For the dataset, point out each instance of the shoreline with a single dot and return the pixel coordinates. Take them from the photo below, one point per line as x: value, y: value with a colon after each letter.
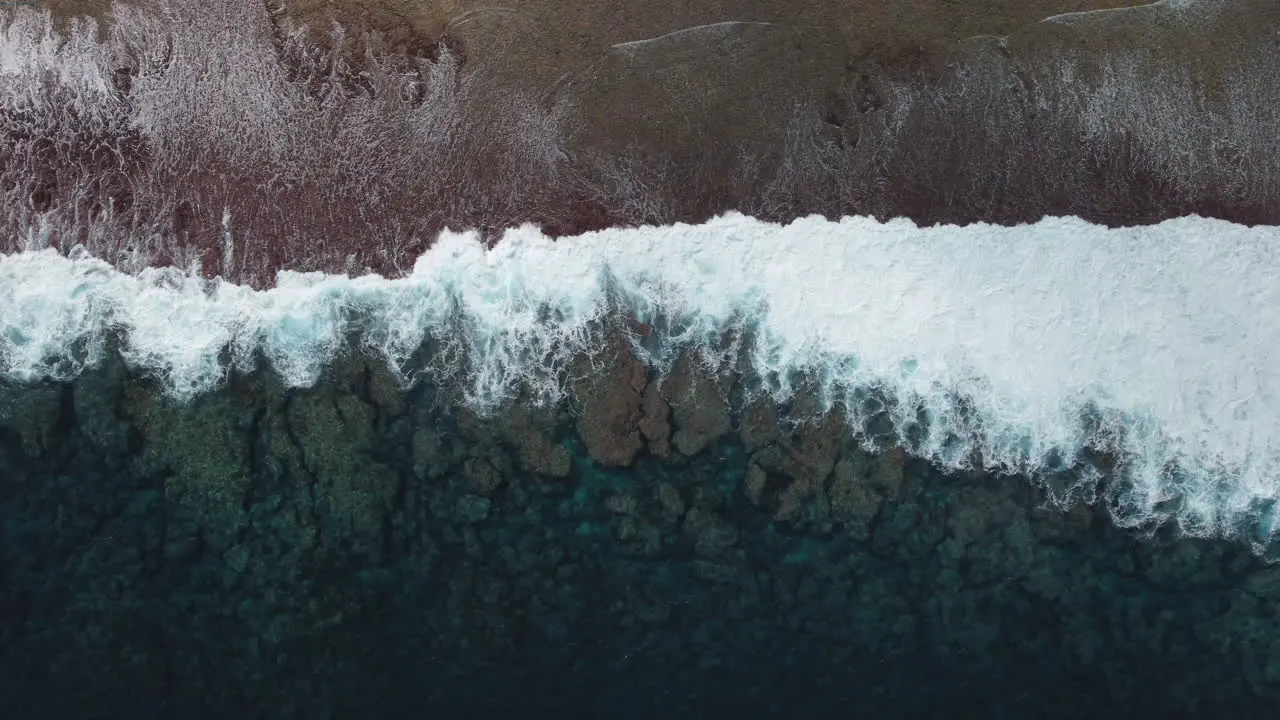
x: 939, y: 133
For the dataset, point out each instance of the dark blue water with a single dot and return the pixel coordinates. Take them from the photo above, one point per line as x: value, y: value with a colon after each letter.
x: 349, y: 549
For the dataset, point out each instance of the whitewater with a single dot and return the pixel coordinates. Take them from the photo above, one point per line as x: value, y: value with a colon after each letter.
x: 1027, y: 345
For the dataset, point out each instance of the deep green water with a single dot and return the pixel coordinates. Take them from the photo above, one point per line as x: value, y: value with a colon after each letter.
x: 350, y: 550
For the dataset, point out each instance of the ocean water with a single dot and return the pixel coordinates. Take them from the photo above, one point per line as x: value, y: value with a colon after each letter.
x: 808, y: 467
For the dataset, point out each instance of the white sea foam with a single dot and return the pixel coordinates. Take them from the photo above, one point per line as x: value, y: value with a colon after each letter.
x: 1169, y: 334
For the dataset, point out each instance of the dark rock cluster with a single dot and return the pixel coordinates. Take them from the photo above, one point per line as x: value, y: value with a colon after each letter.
x: 654, y: 548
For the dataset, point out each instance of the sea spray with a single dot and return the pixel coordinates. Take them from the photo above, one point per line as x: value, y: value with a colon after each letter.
x: 1024, y: 347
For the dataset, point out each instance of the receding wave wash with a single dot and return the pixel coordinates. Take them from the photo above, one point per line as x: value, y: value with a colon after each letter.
x: 219, y: 134
x: 1031, y: 349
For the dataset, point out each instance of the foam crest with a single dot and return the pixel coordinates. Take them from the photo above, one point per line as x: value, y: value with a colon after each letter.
x: 1025, y: 344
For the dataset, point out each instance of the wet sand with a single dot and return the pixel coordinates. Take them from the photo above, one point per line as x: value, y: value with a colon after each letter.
x: 584, y: 115
x: 579, y: 117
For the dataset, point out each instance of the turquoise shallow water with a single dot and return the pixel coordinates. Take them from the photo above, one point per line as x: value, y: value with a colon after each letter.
x: 353, y: 549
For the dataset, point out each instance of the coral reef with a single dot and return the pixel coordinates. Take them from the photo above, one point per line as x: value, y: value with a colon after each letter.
x: 356, y: 547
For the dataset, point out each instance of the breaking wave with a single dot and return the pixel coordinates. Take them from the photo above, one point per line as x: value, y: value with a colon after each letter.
x: 1022, y: 349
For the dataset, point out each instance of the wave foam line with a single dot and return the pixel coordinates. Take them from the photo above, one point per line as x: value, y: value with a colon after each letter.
x: 1026, y: 344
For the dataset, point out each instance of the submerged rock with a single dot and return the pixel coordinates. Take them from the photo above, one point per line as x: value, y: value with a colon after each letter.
x: 423, y: 549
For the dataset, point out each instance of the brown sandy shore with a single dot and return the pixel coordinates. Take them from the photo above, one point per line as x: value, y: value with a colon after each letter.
x: 342, y: 136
